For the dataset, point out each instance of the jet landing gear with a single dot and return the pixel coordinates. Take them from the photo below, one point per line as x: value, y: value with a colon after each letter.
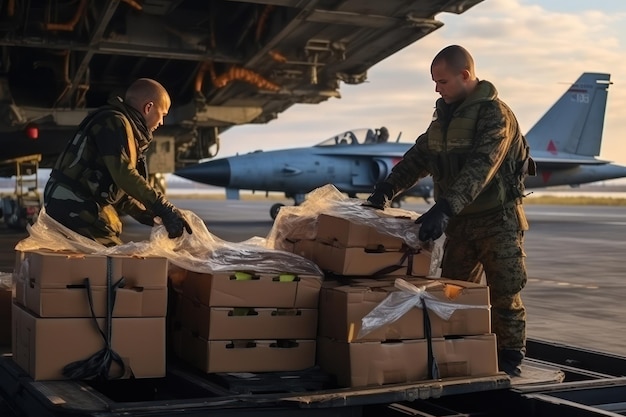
x: 275, y: 209
x: 297, y: 200
x: 22, y: 208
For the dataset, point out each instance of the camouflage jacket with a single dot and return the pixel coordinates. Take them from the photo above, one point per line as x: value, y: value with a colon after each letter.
x: 475, y: 152
x: 105, y: 162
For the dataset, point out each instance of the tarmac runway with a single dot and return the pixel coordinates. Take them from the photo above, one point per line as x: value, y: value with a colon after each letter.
x: 576, y: 264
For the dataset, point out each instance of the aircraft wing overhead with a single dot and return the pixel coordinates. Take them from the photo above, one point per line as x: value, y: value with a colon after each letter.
x: 225, y: 62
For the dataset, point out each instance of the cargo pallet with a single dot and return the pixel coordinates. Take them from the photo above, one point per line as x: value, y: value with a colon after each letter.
x: 558, y: 380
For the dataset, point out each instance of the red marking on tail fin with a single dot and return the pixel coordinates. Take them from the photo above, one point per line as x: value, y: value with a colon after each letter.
x: 552, y: 148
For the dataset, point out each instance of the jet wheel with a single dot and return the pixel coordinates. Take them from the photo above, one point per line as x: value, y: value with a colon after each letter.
x: 275, y: 209
x: 395, y: 204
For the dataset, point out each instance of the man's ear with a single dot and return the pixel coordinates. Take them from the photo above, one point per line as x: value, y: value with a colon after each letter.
x: 465, y: 74
x: 147, y: 107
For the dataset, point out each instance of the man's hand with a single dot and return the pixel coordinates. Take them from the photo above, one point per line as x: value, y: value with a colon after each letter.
x: 434, y: 222
x: 381, y: 197
x: 144, y: 217
x: 171, y: 217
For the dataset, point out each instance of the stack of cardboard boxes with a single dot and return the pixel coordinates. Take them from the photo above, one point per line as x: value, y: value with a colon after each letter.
x: 243, y: 321
x: 251, y: 321
x: 62, y: 308
x: 353, y: 253
x: 397, y: 352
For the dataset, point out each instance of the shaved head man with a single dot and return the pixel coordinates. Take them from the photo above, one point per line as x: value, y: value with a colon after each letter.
x: 151, y: 99
x: 478, y: 158
x: 103, y: 170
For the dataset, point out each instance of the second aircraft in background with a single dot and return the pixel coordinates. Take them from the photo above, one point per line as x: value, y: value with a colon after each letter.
x: 564, y: 144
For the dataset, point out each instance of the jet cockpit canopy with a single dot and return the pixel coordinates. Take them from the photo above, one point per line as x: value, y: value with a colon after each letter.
x: 362, y: 136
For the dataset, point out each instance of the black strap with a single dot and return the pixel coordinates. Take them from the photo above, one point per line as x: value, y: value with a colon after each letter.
x: 98, y: 365
x: 83, y: 128
x: 433, y: 368
x: 407, y: 254
x: 76, y: 186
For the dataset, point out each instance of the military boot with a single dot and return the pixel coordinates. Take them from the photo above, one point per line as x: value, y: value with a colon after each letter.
x: 510, y: 361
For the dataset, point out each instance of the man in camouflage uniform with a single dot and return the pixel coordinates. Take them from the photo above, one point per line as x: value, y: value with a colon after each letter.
x: 102, y: 171
x: 478, y: 159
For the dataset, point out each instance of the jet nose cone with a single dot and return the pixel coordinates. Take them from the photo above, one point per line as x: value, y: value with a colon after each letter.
x: 212, y: 172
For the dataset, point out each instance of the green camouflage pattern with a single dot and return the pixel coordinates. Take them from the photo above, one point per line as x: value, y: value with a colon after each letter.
x: 476, y: 154
x: 102, y: 172
x: 502, y: 259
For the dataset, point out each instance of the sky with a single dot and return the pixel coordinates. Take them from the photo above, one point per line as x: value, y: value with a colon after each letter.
x: 530, y: 49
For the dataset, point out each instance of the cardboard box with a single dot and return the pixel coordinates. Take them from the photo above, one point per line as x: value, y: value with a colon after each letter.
x: 304, y: 248
x: 347, y: 233
x: 73, y: 302
x: 50, y: 269
x: 293, y: 226
x: 224, y: 289
x: 246, y: 355
x: 44, y: 346
x: 375, y: 363
x: 364, y: 262
x: 227, y: 323
x: 62, y: 292
x: 141, y: 272
x: 342, y: 308
x: 62, y: 269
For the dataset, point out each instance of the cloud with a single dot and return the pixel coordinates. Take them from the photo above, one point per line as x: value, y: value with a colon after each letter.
x: 530, y: 49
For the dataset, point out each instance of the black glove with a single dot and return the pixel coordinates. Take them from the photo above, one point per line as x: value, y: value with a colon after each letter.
x: 381, y: 197
x: 144, y: 217
x: 171, y: 217
x: 434, y: 221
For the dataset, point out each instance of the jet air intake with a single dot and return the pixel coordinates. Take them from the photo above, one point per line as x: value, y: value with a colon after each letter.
x: 380, y: 169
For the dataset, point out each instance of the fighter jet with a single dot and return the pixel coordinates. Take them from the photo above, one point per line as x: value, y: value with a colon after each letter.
x: 564, y: 144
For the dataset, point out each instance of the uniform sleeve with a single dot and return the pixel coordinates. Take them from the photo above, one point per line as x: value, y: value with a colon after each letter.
x: 136, y: 210
x: 114, y: 141
x: 411, y: 168
x: 493, y: 138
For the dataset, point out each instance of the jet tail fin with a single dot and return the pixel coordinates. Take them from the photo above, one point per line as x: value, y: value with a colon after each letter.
x: 575, y: 122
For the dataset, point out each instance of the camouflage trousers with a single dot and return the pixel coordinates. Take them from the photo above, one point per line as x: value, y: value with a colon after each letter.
x: 502, y: 258
x: 86, y: 218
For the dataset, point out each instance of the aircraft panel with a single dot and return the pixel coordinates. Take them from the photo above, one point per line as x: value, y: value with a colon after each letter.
x: 251, y: 60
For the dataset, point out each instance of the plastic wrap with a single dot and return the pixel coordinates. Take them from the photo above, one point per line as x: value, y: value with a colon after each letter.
x: 6, y: 281
x: 204, y: 252
x: 200, y: 252
x: 398, y: 303
x: 300, y: 222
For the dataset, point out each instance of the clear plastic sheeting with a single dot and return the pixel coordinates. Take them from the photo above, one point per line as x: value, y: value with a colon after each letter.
x: 6, y: 281
x: 398, y: 303
x: 294, y: 223
x: 300, y: 222
x: 200, y: 252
